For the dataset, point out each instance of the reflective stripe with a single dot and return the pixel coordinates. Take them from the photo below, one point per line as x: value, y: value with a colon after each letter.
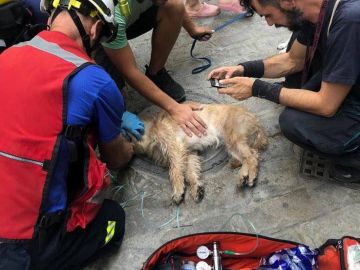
x: 3, y: 154
x: 356, y: 136
x: 110, y: 231
x: 54, y: 49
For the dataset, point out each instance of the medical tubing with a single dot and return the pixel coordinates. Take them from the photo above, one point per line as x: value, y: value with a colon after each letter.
x: 233, y: 253
x: 149, y: 224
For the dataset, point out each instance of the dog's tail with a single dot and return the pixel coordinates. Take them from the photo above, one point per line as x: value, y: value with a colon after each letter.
x: 258, y: 139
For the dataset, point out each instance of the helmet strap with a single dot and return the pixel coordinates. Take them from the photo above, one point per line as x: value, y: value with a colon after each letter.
x: 84, y: 36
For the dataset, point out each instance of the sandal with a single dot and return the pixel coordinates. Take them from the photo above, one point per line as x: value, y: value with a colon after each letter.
x: 205, y: 10
x: 233, y: 6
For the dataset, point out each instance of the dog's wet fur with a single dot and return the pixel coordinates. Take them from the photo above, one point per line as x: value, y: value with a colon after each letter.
x: 166, y: 144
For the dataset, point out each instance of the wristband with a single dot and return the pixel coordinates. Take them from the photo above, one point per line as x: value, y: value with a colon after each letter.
x: 269, y: 91
x: 254, y: 69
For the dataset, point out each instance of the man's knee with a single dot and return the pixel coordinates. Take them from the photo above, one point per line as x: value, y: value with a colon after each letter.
x: 288, y: 120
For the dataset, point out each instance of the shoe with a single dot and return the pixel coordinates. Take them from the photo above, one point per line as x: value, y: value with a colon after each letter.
x: 344, y: 174
x: 167, y: 84
x: 205, y: 10
x: 233, y: 6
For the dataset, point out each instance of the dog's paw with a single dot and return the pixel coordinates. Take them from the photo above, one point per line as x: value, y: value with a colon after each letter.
x: 246, y: 181
x: 242, y: 183
x: 178, y: 198
x: 251, y: 182
x: 252, y: 178
x: 198, y: 192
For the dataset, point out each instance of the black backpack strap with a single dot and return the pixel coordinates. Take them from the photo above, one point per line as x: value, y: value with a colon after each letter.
x: 73, y: 134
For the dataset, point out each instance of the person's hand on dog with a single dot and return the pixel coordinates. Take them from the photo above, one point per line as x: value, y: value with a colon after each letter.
x: 226, y: 72
x: 189, y: 121
x: 132, y: 124
x: 238, y: 87
x: 201, y: 33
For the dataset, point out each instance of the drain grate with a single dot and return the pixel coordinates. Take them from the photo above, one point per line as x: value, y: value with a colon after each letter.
x: 313, y: 165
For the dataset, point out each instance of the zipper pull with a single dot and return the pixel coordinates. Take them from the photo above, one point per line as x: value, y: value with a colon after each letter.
x: 340, y: 248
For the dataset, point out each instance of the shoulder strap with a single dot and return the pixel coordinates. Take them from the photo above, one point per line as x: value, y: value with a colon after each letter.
x: 74, y: 132
x: 332, y: 15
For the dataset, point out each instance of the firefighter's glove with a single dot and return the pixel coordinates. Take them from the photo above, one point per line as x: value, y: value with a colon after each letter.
x: 131, y: 124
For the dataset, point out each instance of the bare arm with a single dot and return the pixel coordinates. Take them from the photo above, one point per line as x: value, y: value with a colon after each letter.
x: 286, y: 63
x: 188, y: 24
x: 124, y: 61
x: 183, y: 114
x: 117, y: 153
x: 326, y: 102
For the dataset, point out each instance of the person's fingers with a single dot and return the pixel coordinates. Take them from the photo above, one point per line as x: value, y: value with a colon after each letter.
x: 194, y: 129
x: 229, y: 80
x: 205, y: 37
x: 217, y: 73
x: 226, y: 90
x: 126, y: 135
x: 200, y: 122
x: 212, y: 74
x: 186, y: 130
x: 141, y: 130
x: 228, y: 75
x: 137, y: 135
x: 141, y: 125
x: 208, y: 35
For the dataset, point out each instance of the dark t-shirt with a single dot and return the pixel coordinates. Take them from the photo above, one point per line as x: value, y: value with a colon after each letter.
x: 339, y: 53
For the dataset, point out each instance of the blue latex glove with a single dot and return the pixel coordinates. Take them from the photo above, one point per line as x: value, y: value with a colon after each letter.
x: 132, y: 124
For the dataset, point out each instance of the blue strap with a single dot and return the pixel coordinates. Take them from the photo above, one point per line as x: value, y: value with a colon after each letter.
x: 199, y: 69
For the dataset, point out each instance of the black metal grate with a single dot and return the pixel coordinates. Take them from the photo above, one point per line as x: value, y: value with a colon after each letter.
x: 313, y: 165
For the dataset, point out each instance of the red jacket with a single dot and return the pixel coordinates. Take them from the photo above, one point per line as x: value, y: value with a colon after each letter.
x: 33, y: 81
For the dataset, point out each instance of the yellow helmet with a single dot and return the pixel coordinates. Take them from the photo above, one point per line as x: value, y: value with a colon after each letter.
x: 104, y: 9
x: 4, y: 1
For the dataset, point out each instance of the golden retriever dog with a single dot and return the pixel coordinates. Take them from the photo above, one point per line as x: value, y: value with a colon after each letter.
x: 167, y: 145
